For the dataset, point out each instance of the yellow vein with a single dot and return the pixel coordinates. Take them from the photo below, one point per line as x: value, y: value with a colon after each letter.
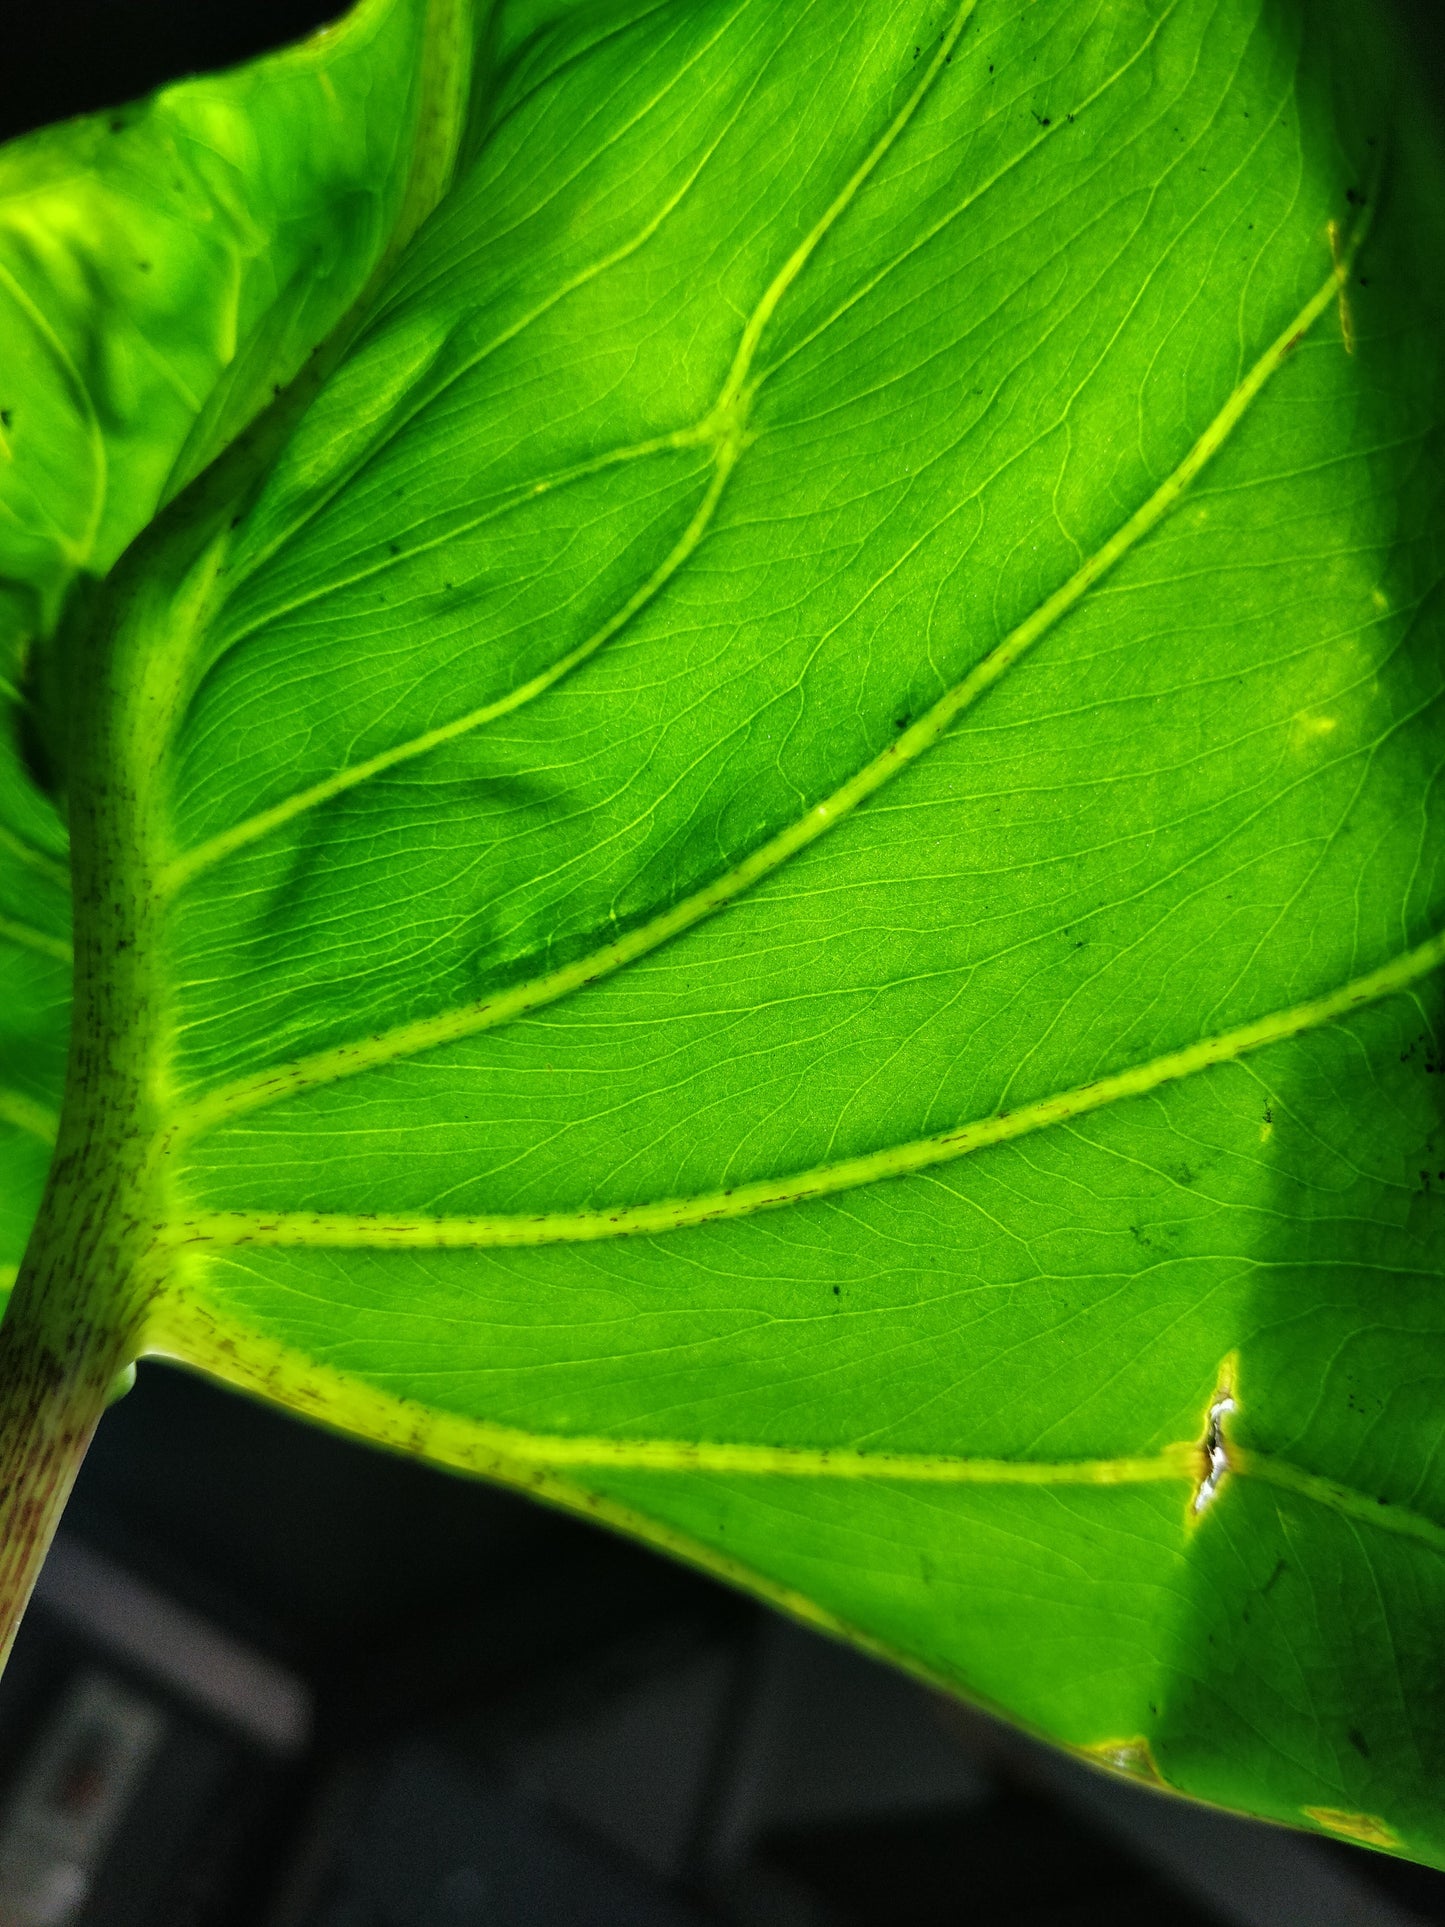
x: 185, y: 1327
x: 733, y: 388
x: 181, y: 869
x: 722, y: 425
x: 505, y: 1006
x: 13, y: 931
x: 257, y: 557
x: 13, y: 844
x: 1175, y: 1462
x: 478, y: 515
x: 407, y: 1232
x: 77, y: 551
x: 24, y: 1114
x: 592, y: 272
x: 1354, y: 1504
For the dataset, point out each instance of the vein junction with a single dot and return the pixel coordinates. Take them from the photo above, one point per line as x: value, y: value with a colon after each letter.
x: 722, y: 429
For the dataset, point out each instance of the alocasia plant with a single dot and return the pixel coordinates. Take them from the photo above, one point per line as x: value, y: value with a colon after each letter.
x: 754, y: 808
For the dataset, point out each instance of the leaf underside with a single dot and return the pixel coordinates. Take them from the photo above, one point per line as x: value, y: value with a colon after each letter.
x: 163, y: 268
x: 797, y: 861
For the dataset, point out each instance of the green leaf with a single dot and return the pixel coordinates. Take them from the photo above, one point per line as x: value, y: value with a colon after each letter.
x: 164, y: 268
x: 781, y: 877
x: 34, y: 997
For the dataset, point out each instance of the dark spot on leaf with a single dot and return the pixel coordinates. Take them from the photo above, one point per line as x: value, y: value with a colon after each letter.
x: 837, y: 1291
x: 1280, y: 1569
x: 900, y: 722
x: 1357, y: 1740
x: 394, y: 548
x: 1354, y: 197
x: 5, y: 417
x: 117, y: 127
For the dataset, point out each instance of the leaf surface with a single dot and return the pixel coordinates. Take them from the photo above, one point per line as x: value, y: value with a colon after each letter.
x: 164, y: 268
x: 34, y: 997
x: 784, y: 881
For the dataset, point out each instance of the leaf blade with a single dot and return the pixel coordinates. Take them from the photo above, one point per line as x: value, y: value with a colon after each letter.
x: 1220, y: 789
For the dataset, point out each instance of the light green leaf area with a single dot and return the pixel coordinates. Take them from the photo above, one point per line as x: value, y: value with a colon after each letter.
x: 792, y: 872
x: 163, y: 266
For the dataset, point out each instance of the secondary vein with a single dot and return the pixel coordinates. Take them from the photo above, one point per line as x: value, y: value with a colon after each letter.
x: 12, y: 843
x: 24, y: 1114
x: 29, y: 938
x: 1286, y: 1476
x: 185, y: 1327
x: 722, y: 426
x: 506, y: 1006
x: 1176, y: 1462
x: 414, y: 1232
x: 180, y: 871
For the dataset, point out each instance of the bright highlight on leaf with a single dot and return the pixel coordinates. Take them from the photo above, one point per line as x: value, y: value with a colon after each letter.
x: 762, y: 853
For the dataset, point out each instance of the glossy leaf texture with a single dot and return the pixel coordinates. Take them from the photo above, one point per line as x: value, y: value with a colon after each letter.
x: 164, y: 267
x: 791, y: 863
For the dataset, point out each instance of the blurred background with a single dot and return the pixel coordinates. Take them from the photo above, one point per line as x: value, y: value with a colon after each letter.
x: 278, y: 1679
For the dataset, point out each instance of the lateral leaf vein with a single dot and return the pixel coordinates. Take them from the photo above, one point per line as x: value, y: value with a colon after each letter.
x: 506, y: 1006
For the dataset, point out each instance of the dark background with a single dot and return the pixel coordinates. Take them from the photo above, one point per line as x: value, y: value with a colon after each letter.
x: 507, y: 1718
x: 60, y: 57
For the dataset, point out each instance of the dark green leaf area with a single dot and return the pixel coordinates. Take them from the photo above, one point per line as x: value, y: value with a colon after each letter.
x: 34, y: 997
x: 856, y: 584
